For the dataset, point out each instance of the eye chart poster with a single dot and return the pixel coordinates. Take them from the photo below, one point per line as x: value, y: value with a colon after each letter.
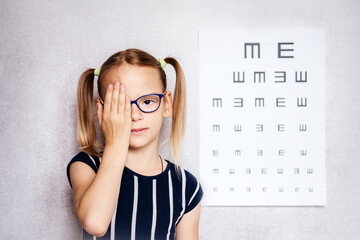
x: 262, y: 117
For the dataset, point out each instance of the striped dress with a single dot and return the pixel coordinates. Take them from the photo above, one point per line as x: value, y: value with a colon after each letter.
x: 149, y: 207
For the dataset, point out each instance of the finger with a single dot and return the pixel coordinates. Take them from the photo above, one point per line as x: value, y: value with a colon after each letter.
x: 127, y: 107
x: 107, y: 104
x: 115, y: 97
x: 99, y: 111
x: 121, y: 99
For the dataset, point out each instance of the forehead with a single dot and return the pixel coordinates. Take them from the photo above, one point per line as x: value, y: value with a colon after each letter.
x: 138, y: 80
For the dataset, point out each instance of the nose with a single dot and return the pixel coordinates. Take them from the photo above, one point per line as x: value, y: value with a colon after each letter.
x: 136, y: 113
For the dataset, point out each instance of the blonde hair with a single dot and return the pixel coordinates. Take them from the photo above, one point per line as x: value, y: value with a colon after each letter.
x: 86, y: 134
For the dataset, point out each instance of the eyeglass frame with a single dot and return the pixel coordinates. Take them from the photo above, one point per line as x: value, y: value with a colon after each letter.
x: 160, y: 95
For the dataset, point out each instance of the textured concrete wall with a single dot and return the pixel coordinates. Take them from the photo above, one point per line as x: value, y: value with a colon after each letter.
x: 45, y: 45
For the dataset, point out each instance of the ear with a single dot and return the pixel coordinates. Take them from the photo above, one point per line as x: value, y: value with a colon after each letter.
x: 168, y: 105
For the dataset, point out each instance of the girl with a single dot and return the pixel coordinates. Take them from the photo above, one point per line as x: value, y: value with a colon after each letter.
x: 128, y: 191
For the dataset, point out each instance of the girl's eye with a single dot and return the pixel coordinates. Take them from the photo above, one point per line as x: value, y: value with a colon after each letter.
x: 148, y: 102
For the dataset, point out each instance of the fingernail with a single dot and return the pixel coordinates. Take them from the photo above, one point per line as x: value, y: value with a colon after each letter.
x: 122, y: 86
x: 117, y: 83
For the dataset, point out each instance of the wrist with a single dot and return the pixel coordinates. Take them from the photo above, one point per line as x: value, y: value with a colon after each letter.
x: 116, y: 147
x: 117, y: 144
x: 116, y: 152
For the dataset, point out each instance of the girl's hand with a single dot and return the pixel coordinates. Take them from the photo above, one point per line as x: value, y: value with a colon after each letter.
x: 115, y: 117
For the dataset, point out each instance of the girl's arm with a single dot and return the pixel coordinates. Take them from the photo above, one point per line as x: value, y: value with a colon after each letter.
x: 188, y: 227
x: 96, y: 195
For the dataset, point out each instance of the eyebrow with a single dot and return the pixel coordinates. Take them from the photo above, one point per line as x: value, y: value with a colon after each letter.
x: 147, y: 94
x: 140, y: 95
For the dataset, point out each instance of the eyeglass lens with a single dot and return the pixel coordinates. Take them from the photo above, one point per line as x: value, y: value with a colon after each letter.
x: 148, y: 103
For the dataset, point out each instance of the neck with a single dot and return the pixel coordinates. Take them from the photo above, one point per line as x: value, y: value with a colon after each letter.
x: 144, y: 160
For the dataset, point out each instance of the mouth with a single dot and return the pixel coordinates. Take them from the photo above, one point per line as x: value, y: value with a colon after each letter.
x: 137, y: 131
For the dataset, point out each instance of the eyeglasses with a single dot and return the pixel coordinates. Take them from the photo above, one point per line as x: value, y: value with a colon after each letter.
x: 147, y: 103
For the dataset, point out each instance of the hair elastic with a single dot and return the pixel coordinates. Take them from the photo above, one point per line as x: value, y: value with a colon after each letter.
x: 162, y: 62
x: 97, y: 71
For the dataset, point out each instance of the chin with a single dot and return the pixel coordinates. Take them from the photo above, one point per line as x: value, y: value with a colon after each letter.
x: 137, y: 143
x: 135, y: 146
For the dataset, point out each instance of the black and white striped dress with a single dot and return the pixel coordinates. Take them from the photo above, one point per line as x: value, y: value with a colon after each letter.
x: 149, y: 207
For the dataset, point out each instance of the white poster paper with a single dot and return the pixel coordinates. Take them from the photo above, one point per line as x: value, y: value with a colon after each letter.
x: 262, y: 117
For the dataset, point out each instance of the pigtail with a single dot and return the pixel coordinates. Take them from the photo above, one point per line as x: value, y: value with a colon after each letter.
x: 86, y: 134
x: 179, y: 111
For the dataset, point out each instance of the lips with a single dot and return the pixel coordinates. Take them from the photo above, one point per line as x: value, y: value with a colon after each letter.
x: 137, y: 131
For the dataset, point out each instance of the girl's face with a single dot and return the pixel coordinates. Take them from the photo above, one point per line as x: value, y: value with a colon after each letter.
x: 140, y: 81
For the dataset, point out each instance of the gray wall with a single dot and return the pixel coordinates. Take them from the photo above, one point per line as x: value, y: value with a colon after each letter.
x: 45, y: 45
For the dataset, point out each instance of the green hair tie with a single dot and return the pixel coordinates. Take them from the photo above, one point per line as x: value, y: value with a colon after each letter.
x: 162, y: 62
x: 97, y: 71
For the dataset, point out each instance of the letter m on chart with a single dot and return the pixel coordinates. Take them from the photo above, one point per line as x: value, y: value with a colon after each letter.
x: 252, y: 47
x: 217, y: 102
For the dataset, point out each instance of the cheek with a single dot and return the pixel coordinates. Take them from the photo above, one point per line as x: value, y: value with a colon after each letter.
x: 156, y: 119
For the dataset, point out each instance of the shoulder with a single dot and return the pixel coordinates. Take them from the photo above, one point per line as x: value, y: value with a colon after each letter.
x: 91, y: 160
x: 194, y: 190
x: 191, y: 187
x: 190, y: 179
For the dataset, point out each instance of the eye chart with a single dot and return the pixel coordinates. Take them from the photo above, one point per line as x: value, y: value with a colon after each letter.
x: 262, y: 117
